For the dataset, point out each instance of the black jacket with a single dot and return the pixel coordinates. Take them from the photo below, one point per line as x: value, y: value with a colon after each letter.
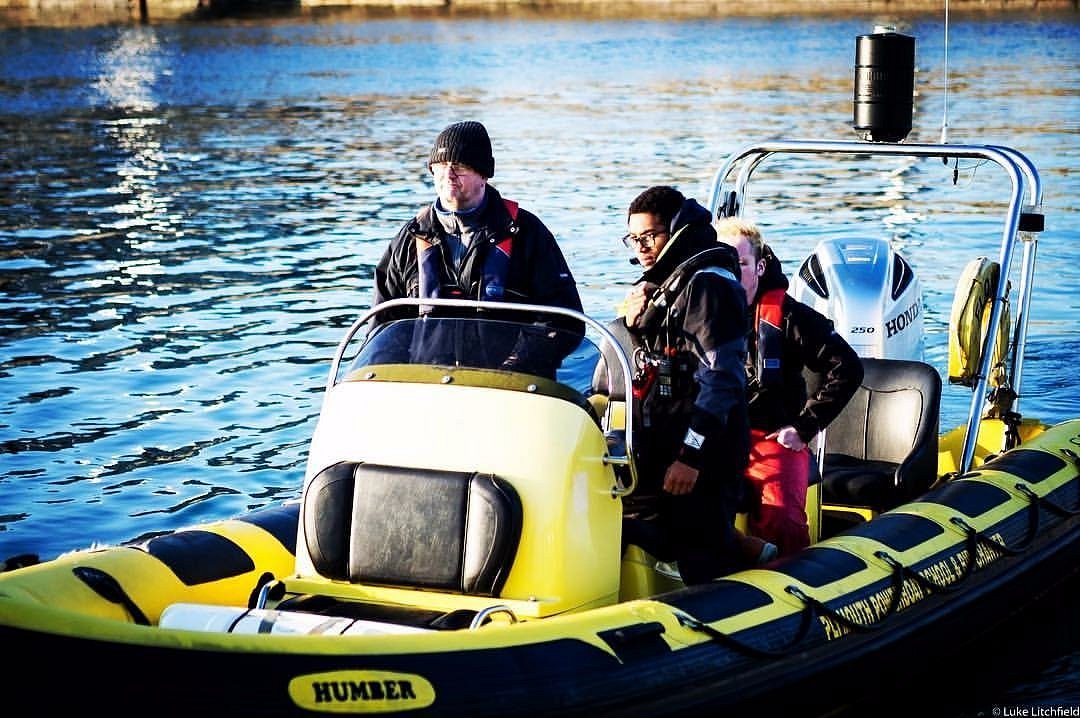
x: 538, y: 273
x: 810, y: 345
x: 706, y: 323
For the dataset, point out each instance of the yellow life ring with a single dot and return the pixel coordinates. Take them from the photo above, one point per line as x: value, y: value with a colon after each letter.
x: 968, y: 322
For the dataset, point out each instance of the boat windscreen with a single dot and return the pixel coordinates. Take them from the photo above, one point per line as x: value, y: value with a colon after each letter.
x: 469, y: 342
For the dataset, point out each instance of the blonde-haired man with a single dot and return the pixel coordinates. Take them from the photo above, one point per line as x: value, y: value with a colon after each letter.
x: 786, y: 337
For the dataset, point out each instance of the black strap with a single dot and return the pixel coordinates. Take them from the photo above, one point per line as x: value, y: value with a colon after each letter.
x: 661, y: 300
x: 110, y: 589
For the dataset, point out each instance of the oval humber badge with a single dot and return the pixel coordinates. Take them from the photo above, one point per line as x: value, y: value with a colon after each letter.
x: 361, y: 691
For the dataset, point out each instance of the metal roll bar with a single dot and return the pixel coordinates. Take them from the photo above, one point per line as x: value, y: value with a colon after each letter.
x: 1025, y: 182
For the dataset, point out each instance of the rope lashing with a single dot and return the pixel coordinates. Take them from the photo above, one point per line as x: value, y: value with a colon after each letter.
x: 730, y: 641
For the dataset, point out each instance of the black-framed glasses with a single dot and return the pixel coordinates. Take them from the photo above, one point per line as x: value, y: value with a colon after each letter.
x: 455, y: 168
x: 645, y: 240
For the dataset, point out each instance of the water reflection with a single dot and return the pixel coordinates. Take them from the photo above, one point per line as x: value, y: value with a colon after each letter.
x: 126, y: 77
x: 127, y: 71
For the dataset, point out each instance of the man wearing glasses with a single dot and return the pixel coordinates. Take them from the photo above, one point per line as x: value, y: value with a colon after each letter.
x: 687, y: 315
x: 471, y: 243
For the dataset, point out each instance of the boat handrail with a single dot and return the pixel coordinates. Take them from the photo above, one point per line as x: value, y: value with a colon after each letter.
x: 1024, y: 179
x: 617, y: 351
x: 1027, y: 271
x: 484, y: 614
x: 1000, y: 154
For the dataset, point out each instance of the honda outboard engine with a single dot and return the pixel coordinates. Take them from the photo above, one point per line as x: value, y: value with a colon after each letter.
x: 870, y: 293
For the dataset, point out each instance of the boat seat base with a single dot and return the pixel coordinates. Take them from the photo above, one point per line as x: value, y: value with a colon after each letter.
x: 235, y: 619
x: 383, y: 613
x: 368, y: 599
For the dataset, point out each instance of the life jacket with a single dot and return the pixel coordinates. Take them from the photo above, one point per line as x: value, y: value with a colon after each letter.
x: 497, y: 261
x: 769, y: 350
x: 493, y: 275
x: 663, y: 371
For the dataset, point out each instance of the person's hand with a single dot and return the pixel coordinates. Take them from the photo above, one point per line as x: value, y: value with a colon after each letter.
x: 680, y: 479
x: 788, y: 438
x: 636, y: 300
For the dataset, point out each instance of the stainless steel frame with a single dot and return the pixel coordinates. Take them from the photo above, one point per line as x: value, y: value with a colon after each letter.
x: 1025, y: 184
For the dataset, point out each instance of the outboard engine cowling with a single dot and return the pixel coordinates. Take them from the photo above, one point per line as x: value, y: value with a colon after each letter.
x: 871, y: 294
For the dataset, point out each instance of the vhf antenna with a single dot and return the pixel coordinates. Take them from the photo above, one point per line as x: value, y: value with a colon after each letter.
x: 945, y: 115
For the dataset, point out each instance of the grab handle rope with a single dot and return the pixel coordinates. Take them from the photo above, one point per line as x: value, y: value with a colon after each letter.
x: 811, y: 607
x: 975, y: 537
x: 909, y: 573
x: 894, y: 604
x: 900, y: 574
x: 1035, y: 502
x: 730, y: 641
x: 1045, y: 502
x: 104, y: 585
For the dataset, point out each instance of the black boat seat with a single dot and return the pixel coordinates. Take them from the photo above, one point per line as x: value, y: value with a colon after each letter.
x: 422, y: 528
x: 882, y: 449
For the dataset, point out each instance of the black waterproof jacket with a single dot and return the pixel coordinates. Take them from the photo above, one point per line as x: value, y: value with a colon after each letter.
x: 810, y: 343
x: 538, y: 273
x: 703, y: 423
x: 706, y: 321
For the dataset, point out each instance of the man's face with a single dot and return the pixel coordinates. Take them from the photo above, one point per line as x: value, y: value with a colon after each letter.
x: 459, y: 187
x: 646, y: 236
x: 751, y: 268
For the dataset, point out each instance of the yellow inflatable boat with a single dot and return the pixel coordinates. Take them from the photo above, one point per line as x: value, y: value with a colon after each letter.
x: 457, y: 551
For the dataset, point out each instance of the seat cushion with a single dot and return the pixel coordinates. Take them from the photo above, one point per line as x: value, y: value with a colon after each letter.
x: 858, y: 482
x: 425, y: 528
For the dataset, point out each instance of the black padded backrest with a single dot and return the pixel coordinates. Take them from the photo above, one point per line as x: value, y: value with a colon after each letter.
x: 890, y: 426
x: 894, y: 409
x: 424, y: 528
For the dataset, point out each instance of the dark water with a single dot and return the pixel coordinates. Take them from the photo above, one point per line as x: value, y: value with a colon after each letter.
x: 190, y: 216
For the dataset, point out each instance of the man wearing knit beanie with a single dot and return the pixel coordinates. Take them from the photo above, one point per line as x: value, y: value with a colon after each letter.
x: 465, y: 143
x: 471, y: 243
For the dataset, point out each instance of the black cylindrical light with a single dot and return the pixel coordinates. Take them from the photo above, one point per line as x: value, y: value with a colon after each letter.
x: 884, y: 85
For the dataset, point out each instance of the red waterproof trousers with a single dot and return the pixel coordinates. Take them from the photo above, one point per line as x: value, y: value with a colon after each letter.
x: 780, y: 476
